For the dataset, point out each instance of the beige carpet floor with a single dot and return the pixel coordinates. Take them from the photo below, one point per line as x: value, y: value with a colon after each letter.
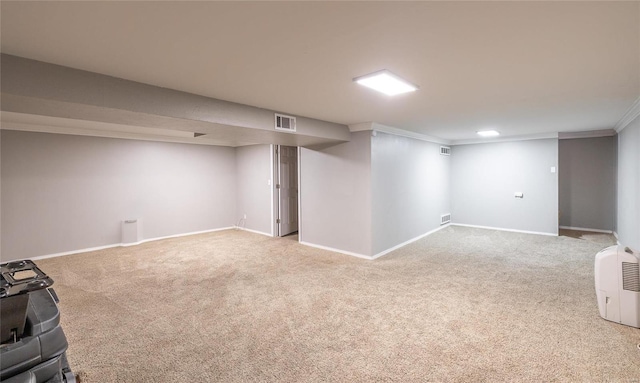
x: 461, y: 305
x: 603, y: 238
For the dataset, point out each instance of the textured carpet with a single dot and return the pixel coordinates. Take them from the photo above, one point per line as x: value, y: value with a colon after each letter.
x: 602, y: 238
x: 462, y: 304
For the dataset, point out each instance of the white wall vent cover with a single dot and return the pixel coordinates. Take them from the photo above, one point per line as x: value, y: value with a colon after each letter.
x: 445, y: 150
x: 445, y: 218
x: 287, y: 123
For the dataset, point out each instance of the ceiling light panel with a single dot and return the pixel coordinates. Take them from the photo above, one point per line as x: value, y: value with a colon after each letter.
x: 488, y: 133
x: 386, y: 82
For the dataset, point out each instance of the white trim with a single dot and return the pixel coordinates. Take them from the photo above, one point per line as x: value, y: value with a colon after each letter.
x: 374, y: 126
x: 586, y: 229
x: 504, y: 229
x: 405, y: 243
x: 299, y: 196
x: 378, y: 255
x: 253, y: 231
x: 273, y: 218
x: 405, y: 133
x: 177, y: 235
x: 617, y: 239
x: 631, y: 114
x: 278, y: 191
x: 360, y: 127
x: 526, y: 137
x: 587, y: 134
x: 89, y: 249
x: 336, y: 250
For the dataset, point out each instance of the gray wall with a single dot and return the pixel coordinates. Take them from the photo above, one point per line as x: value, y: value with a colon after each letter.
x: 587, y: 179
x: 628, y: 227
x: 253, y: 191
x: 410, y: 189
x: 63, y: 193
x: 335, y: 195
x: 486, y: 176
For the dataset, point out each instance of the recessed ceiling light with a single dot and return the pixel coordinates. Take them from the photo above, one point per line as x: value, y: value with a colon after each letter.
x: 386, y: 82
x: 488, y: 133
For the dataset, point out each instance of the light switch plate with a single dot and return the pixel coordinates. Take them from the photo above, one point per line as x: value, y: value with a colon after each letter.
x: 553, y: 169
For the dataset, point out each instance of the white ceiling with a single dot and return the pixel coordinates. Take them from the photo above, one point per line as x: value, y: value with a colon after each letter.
x: 521, y: 68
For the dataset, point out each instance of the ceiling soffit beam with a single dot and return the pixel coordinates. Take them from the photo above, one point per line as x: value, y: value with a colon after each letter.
x: 36, y: 87
x: 52, y: 117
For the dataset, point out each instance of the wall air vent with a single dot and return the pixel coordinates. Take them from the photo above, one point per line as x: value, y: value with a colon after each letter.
x: 445, y: 150
x: 445, y: 218
x: 286, y: 123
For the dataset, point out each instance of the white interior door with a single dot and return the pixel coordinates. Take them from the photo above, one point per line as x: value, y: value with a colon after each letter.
x: 287, y: 190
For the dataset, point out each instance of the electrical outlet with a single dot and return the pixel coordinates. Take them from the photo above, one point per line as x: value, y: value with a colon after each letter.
x: 244, y: 216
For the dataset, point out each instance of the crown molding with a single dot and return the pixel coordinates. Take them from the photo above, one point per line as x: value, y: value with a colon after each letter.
x: 587, y: 134
x: 493, y: 140
x: 631, y: 114
x: 374, y: 126
x: 360, y: 127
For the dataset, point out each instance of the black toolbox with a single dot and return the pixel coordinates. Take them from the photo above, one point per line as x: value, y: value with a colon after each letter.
x: 33, y: 344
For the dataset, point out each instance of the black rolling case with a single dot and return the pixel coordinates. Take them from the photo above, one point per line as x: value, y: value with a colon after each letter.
x: 33, y: 346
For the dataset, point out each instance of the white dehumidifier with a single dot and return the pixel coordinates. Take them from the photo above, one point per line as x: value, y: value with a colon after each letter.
x: 617, y: 272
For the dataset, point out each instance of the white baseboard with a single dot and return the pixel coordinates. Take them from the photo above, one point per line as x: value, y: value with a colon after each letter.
x: 89, y: 249
x: 336, y: 250
x: 396, y: 247
x: 254, y: 231
x: 378, y: 255
x: 586, y: 229
x: 617, y: 239
x: 504, y: 229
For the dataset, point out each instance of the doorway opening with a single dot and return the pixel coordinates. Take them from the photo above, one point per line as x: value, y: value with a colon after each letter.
x: 286, y: 195
x: 587, y: 187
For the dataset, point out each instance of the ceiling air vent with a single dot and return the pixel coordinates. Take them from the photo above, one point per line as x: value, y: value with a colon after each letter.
x: 287, y: 123
x: 445, y: 218
x: 445, y: 150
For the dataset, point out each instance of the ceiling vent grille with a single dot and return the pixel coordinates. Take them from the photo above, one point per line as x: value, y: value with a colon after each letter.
x: 445, y: 150
x: 286, y: 123
x: 445, y: 218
